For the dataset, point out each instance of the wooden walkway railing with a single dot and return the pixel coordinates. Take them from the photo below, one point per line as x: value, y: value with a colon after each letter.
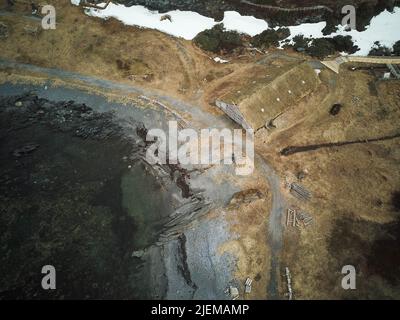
x: 334, y: 65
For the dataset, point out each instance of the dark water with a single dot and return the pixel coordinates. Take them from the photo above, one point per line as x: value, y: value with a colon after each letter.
x: 76, y: 203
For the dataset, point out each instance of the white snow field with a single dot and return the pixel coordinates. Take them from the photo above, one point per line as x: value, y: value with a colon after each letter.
x: 187, y: 24
x: 384, y: 28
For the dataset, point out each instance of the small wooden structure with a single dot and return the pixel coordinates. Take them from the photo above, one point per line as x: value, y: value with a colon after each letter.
x: 300, y: 192
x: 335, y: 64
x: 298, y: 219
x: 248, y: 285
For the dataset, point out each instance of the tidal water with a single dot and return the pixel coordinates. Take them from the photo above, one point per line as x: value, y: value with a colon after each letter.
x: 77, y: 203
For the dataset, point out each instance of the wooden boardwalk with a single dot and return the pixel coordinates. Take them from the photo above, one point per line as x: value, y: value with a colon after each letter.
x: 335, y: 64
x: 394, y: 70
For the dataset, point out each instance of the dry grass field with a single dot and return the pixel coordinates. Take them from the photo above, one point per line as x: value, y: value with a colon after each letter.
x: 356, y: 220
x: 106, y: 48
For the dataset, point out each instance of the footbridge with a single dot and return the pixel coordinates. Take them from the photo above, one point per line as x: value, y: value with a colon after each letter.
x: 335, y: 64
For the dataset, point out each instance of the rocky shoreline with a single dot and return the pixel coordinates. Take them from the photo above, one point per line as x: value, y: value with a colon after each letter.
x: 150, y: 267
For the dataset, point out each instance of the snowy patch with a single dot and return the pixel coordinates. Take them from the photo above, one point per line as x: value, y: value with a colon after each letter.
x: 244, y: 24
x: 383, y: 28
x: 184, y: 24
x: 187, y: 24
x: 308, y: 30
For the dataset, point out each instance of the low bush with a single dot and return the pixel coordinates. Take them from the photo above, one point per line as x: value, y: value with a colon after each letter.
x: 344, y: 44
x: 379, y: 50
x: 321, y: 47
x: 396, y: 48
x: 218, y: 39
x: 300, y: 42
x: 270, y: 37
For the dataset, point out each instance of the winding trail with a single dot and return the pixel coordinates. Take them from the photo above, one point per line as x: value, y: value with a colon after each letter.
x: 275, y: 227
x: 266, y: 6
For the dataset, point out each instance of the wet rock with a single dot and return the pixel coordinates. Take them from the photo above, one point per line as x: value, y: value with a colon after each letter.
x: 61, y: 190
x: 166, y: 17
x: 81, y: 108
x: 46, y: 105
x: 233, y: 292
x: 138, y: 253
x: 25, y: 150
x: 335, y: 109
x: 141, y: 131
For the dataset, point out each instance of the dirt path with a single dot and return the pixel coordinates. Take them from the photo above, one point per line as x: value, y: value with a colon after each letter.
x: 275, y: 226
x: 199, y: 117
x: 5, y: 13
x: 312, y: 8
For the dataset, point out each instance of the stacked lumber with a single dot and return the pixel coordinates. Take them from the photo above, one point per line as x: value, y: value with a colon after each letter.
x: 300, y: 191
x: 298, y: 219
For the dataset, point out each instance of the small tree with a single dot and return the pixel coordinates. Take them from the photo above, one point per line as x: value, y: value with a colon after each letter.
x: 331, y: 26
x: 230, y: 40
x: 396, y: 48
x: 300, y: 41
x: 321, y: 48
x: 270, y: 37
x: 379, y: 50
x: 344, y: 44
x: 217, y: 39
